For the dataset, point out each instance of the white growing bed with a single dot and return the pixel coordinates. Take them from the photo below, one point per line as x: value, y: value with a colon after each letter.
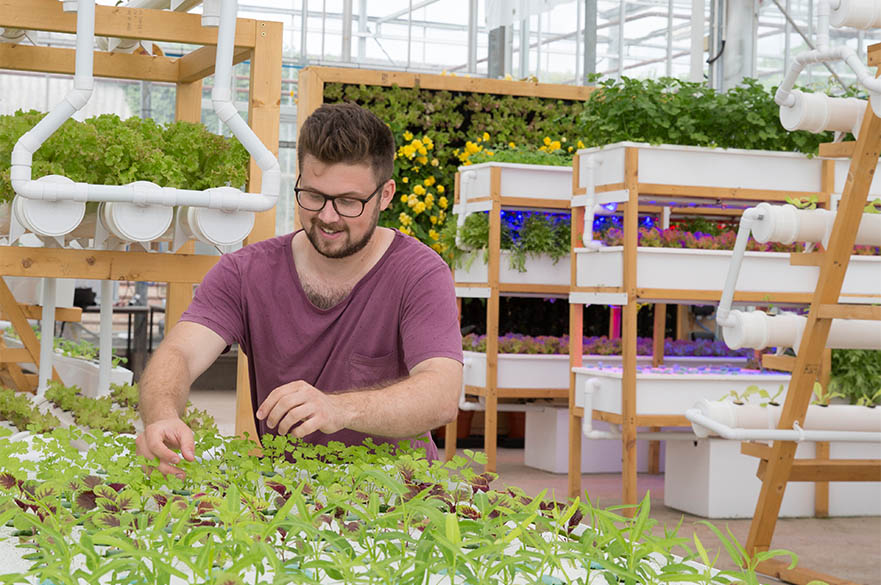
x: 706, y: 270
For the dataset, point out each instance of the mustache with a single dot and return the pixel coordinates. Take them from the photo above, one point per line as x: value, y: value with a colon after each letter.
x: 317, y: 223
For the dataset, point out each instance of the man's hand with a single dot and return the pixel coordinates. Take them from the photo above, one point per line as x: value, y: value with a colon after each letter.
x: 158, y: 440
x: 301, y: 402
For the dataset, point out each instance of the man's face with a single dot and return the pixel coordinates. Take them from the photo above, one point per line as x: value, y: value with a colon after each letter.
x: 333, y: 235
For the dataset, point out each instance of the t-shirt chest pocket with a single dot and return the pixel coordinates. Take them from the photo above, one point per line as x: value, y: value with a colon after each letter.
x: 367, y: 370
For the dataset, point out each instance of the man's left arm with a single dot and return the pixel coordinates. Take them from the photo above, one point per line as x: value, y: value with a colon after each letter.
x: 424, y: 400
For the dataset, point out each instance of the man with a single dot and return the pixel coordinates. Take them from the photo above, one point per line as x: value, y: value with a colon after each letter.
x: 351, y: 330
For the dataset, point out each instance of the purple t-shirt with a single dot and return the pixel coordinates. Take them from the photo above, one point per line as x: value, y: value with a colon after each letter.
x: 402, y: 312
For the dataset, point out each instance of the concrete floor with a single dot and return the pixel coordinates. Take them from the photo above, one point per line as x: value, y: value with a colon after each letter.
x: 847, y: 548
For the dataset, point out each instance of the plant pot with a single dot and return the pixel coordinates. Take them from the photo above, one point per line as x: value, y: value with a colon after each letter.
x: 516, y: 180
x: 706, y: 270
x: 540, y: 269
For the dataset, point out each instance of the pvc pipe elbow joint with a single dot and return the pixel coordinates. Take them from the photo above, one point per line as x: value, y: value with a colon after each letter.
x: 79, y: 96
x: 223, y: 107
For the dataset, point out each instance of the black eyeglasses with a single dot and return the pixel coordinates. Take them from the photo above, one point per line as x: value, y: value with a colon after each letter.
x: 345, y: 206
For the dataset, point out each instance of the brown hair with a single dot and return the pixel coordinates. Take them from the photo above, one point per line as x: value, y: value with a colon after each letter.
x: 346, y: 133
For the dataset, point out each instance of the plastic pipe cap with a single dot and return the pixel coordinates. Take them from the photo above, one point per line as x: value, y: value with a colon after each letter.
x: 49, y: 218
x: 136, y: 223
x: 219, y: 228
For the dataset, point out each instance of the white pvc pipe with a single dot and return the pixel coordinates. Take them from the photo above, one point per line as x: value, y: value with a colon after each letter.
x: 465, y: 179
x: 705, y: 424
x: 787, y: 224
x: 817, y: 418
x: 105, y: 339
x: 47, y: 336
x: 868, y: 234
x: 590, y: 165
x: 818, y: 112
x: 143, y: 193
x: 758, y: 330
x: 746, y: 222
x: 591, y: 385
x: 861, y: 14
x: 12, y: 36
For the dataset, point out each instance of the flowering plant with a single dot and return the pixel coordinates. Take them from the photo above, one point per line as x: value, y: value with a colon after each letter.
x: 547, y: 344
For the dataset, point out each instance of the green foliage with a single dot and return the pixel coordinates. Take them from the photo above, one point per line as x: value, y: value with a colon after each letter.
x: 673, y: 111
x: 539, y: 235
x: 106, y: 150
x: 17, y: 408
x: 95, y: 413
x: 856, y: 373
x: 300, y: 513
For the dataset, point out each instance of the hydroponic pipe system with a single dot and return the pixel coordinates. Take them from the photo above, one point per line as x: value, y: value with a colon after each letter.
x: 51, y: 197
x: 818, y: 112
x: 786, y: 224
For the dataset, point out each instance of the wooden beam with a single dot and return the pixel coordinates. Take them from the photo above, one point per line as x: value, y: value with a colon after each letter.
x: 798, y: 576
x: 15, y: 355
x: 630, y: 222
x: 103, y: 264
x: 726, y: 193
x: 784, y: 363
x: 832, y: 273
x: 122, y: 22
x: 829, y: 470
x: 115, y: 65
x: 643, y: 420
x: 199, y: 64
x: 837, y: 149
x: 21, y: 326
x: 66, y: 314
x: 821, y: 488
x: 837, y: 311
x: 806, y: 259
x: 548, y: 289
x: 451, y: 83
x: 874, y: 52
x: 534, y: 203
x: 760, y: 450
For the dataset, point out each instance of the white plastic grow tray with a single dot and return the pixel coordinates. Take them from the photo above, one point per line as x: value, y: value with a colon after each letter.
x: 690, y: 269
x: 713, y: 479
x: 517, y: 370
x: 80, y: 372
x: 517, y: 180
x: 668, y: 393
x: 693, y: 166
x: 540, y: 269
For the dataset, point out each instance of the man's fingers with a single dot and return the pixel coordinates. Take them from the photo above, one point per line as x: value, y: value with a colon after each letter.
x: 283, y: 406
x: 294, y: 416
x: 270, y: 402
x: 308, y: 427
x: 166, y: 469
x: 157, y: 445
x: 187, y: 443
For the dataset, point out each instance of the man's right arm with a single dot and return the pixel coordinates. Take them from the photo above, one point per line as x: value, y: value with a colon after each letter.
x: 187, y: 352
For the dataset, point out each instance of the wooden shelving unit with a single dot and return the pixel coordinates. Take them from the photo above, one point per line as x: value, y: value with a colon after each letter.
x: 637, y: 193
x: 256, y: 40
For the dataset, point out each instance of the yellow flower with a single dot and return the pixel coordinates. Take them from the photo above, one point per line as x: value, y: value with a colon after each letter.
x: 413, y: 198
x: 490, y: 153
x: 429, y: 181
x: 442, y: 202
x: 471, y: 147
x: 428, y: 142
x: 433, y: 235
x: 543, y: 148
x: 569, y: 149
x: 579, y: 144
x: 423, y: 160
x: 512, y: 145
x: 555, y: 145
x: 429, y: 198
x: 405, y: 219
x: 441, y: 189
x: 486, y: 136
x: 419, y: 189
x: 434, y: 162
x: 404, y: 198
x: 419, y: 208
x: 408, y: 135
x: 433, y: 219
x: 563, y: 139
x: 405, y: 180
x: 409, y: 151
x: 412, y: 203
x: 546, y: 141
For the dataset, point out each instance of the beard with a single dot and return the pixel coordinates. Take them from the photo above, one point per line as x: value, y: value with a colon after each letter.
x: 349, y: 246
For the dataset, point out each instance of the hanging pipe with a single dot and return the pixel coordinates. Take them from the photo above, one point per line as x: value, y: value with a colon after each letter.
x: 47, y: 336
x: 704, y: 418
x: 591, y: 385
x: 223, y: 198
x: 749, y: 217
x: 105, y: 339
x: 466, y: 178
x: 12, y: 36
x: 786, y: 97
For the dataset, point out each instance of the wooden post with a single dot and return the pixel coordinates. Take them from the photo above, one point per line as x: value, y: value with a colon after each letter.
x: 660, y: 326
x: 809, y: 360
x: 628, y: 332
x: 821, y: 448
x: 451, y: 431
x: 491, y: 415
x: 264, y: 114
x: 576, y: 342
